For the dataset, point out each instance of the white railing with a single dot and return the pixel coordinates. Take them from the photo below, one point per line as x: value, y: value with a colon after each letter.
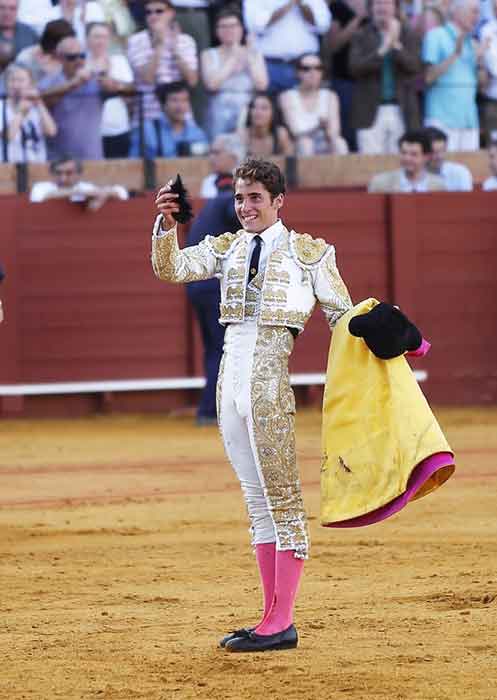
x: 97, y: 387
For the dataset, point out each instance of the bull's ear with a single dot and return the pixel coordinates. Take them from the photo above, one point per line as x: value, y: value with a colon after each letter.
x: 361, y: 325
x: 387, y: 332
x: 185, y: 212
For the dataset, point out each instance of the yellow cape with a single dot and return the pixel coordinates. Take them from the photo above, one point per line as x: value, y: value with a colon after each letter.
x: 377, y: 426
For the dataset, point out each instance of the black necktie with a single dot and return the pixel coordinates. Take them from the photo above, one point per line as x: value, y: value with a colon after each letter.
x: 254, y: 260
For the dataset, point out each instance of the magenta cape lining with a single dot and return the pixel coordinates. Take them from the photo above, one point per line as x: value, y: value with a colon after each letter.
x: 419, y: 476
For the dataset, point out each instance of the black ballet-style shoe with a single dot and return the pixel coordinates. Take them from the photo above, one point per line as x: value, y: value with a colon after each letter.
x: 288, y: 639
x: 244, y: 632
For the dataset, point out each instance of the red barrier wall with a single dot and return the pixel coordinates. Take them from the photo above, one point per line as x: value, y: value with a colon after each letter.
x: 82, y: 303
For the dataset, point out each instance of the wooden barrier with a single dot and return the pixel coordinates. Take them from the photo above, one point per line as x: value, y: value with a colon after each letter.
x: 356, y: 170
x: 82, y: 304
x: 8, y: 179
x: 353, y: 171
x: 126, y: 172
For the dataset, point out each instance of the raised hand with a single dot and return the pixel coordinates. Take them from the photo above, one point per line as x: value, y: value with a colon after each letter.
x: 167, y: 204
x: 83, y: 75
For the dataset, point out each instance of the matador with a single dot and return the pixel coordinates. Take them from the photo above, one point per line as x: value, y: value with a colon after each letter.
x: 271, y: 279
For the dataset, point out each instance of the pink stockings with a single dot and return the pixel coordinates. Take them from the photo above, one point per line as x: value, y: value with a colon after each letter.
x: 280, y: 574
x: 266, y: 561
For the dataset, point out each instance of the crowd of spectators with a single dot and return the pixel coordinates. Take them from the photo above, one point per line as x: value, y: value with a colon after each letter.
x: 165, y: 78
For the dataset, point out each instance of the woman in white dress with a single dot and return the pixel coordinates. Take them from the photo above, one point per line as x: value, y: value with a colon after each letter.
x: 312, y: 112
x: 232, y: 72
x: 24, y: 119
x: 114, y: 69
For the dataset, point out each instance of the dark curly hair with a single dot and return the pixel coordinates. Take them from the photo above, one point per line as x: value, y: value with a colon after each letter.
x: 263, y: 171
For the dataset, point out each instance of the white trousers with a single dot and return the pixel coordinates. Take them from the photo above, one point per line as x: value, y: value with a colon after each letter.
x: 383, y: 136
x: 458, y: 139
x: 256, y: 410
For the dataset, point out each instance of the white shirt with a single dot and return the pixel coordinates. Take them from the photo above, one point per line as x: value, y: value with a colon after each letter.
x: 29, y: 145
x: 41, y: 191
x: 289, y: 37
x: 93, y: 13
x: 457, y: 177
x: 191, y: 3
x: 490, y: 184
x: 34, y: 13
x: 269, y: 238
x: 208, y: 188
x: 489, y: 32
x: 115, y: 118
x: 408, y: 186
x: 486, y: 10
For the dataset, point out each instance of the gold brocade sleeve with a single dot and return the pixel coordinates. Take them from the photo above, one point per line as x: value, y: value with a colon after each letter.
x: 188, y: 265
x: 330, y: 290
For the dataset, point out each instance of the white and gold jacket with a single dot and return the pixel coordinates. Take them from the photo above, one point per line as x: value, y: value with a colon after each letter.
x: 300, y: 271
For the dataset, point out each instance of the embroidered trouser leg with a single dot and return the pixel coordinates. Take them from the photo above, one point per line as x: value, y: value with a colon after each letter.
x: 256, y: 414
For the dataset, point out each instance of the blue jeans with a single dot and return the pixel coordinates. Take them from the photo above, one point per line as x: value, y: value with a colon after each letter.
x: 282, y: 76
x: 344, y: 90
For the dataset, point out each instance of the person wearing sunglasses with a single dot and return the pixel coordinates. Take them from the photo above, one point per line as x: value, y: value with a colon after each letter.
x: 160, y: 54
x: 284, y: 31
x: 312, y: 112
x: 74, y: 97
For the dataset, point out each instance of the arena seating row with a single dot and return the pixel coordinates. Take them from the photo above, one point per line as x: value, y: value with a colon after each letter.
x: 353, y: 171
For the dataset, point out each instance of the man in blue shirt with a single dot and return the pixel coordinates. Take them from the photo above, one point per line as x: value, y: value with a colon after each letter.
x: 74, y: 97
x: 175, y: 133
x: 452, y: 60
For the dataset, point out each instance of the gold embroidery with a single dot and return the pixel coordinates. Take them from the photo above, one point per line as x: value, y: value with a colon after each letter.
x: 274, y: 295
x: 257, y: 281
x: 236, y: 273
x: 277, y: 276
x: 219, y: 388
x: 221, y: 244
x: 336, y: 282
x: 283, y: 317
x: 337, y: 301
x: 175, y: 265
x: 251, y: 311
x: 273, y: 412
x: 234, y: 292
x: 309, y: 250
x: 231, y: 312
x: 276, y: 257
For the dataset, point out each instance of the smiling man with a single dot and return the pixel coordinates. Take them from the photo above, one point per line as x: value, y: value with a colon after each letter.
x: 270, y: 279
x: 414, y: 153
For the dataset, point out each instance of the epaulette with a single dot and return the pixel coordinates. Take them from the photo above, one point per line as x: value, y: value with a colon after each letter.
x: 307, y: 250
x: 222, y: 244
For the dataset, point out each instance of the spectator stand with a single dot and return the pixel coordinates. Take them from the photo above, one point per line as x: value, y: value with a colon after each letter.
x: 349, y: 172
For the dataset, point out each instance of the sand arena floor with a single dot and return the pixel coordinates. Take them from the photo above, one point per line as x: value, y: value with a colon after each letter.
x: 124, y: 556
